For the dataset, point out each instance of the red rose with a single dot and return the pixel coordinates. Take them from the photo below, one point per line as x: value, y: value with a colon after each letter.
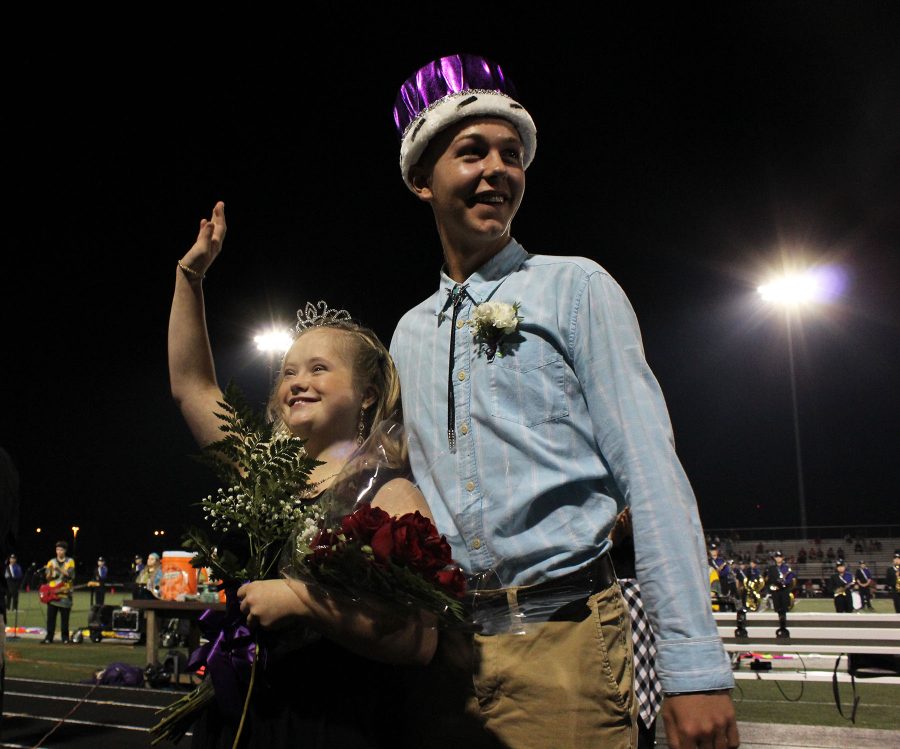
x: 382, y: 543
x: 361, y: 524
x: 411, y: 540
x: 409, y: 548
x: 452, y: 580
x: 439, y: 551
x: 323, y: 545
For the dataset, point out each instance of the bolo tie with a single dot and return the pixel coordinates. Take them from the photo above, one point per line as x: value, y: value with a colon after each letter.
x: 454, y: 300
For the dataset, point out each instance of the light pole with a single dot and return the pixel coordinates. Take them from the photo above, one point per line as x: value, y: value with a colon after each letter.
x: 792, y: 292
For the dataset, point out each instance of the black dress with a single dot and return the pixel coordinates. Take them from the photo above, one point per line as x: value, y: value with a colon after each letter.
x: 319, y: 695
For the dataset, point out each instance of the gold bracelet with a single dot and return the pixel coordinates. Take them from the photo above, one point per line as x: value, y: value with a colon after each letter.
x: 190, y: 272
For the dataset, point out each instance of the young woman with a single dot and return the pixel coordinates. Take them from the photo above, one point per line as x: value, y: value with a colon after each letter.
x: 336, y: 382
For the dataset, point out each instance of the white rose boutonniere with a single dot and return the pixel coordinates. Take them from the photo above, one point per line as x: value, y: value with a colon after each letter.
x: 491, y: 322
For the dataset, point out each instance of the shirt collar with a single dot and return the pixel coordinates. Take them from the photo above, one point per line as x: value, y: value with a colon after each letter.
x: 484, y: 281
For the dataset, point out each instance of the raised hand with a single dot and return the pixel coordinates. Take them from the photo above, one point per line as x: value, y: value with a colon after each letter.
x: 207, y: 245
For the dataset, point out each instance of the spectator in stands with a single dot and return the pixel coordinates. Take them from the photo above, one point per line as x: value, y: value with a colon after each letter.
x: 801, y: 556
x: 829, y: 555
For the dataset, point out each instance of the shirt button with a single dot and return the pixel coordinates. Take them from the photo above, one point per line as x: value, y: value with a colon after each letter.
x: 476, y: 544
x: 462, y: 376
x: 470, y: 486
x: 460, y: 323
x: 464, y: 429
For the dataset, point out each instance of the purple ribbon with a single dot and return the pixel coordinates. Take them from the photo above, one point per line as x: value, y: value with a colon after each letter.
x: 228, y: 655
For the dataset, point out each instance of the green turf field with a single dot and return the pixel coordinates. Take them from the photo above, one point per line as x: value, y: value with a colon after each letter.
x: 810, y: 703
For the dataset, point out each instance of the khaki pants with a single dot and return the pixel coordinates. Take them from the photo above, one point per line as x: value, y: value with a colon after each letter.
x: 557, y: 685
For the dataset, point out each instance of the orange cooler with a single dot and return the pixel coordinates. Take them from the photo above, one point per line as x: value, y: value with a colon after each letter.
x: 179, y: 577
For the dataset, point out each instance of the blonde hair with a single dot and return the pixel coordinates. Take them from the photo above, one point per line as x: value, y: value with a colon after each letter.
x: 373, y: 368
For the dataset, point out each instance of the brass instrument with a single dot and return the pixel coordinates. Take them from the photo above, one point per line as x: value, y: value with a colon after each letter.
x: 842, y: 590
x: 897, y: 579
x: 753, y: 593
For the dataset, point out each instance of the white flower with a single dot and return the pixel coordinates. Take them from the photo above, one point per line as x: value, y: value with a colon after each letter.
x: 499, y: 315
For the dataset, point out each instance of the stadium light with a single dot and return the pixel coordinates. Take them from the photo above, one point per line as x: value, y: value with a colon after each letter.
x: 273, y: 341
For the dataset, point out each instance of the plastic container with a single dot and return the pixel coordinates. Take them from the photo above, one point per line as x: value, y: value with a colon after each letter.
x: 179, y: 577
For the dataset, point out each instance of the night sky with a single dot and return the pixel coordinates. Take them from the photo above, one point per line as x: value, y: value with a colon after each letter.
x: 688, y: 153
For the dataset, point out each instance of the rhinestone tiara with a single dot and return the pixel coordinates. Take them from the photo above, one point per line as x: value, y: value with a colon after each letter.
x: 319, y: 315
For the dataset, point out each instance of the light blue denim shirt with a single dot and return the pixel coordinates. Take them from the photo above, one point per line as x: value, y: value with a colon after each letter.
x: 553, y: 435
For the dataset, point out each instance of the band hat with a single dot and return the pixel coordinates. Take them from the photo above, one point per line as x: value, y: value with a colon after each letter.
x: 840, y: 563
x: 451, y: 89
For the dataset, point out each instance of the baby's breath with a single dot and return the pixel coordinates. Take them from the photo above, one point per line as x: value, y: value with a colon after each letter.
x: 264, y: 475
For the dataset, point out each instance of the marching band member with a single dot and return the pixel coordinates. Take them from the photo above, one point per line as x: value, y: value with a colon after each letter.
x: 842, y: 582
x: 60, y: 574
x: 780, y: 580
x: 866, y: 584
x: 893, y: 581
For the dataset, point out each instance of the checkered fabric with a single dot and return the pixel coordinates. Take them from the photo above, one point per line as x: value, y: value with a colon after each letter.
x: 647, y: 688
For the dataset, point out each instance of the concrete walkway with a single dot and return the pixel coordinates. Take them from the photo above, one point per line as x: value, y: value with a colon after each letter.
x: 774, y: 736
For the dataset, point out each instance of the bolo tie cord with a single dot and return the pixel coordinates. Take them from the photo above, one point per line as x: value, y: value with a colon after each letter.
x: 454, y: 301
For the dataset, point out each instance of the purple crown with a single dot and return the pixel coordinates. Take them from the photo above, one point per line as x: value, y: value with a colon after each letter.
x: 451, y: 89
x: 449, y: 75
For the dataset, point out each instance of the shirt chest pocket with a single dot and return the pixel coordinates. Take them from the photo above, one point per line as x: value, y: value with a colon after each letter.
x: 528, y: 385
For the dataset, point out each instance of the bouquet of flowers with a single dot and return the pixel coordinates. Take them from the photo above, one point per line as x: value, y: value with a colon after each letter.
x: 340, y: 543
x: 403, y: 560
x: 266, y: 477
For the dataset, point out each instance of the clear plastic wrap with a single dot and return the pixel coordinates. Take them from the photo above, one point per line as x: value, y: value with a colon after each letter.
x: 376, y: 537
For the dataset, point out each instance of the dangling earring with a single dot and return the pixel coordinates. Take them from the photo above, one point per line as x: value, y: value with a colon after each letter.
x: 360, y: 434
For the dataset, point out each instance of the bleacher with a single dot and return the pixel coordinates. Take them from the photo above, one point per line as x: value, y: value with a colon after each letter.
x: 878, y: 554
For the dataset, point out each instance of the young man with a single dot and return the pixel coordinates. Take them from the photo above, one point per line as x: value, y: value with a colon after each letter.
x: 533, y: 421
x: 60, y: 575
